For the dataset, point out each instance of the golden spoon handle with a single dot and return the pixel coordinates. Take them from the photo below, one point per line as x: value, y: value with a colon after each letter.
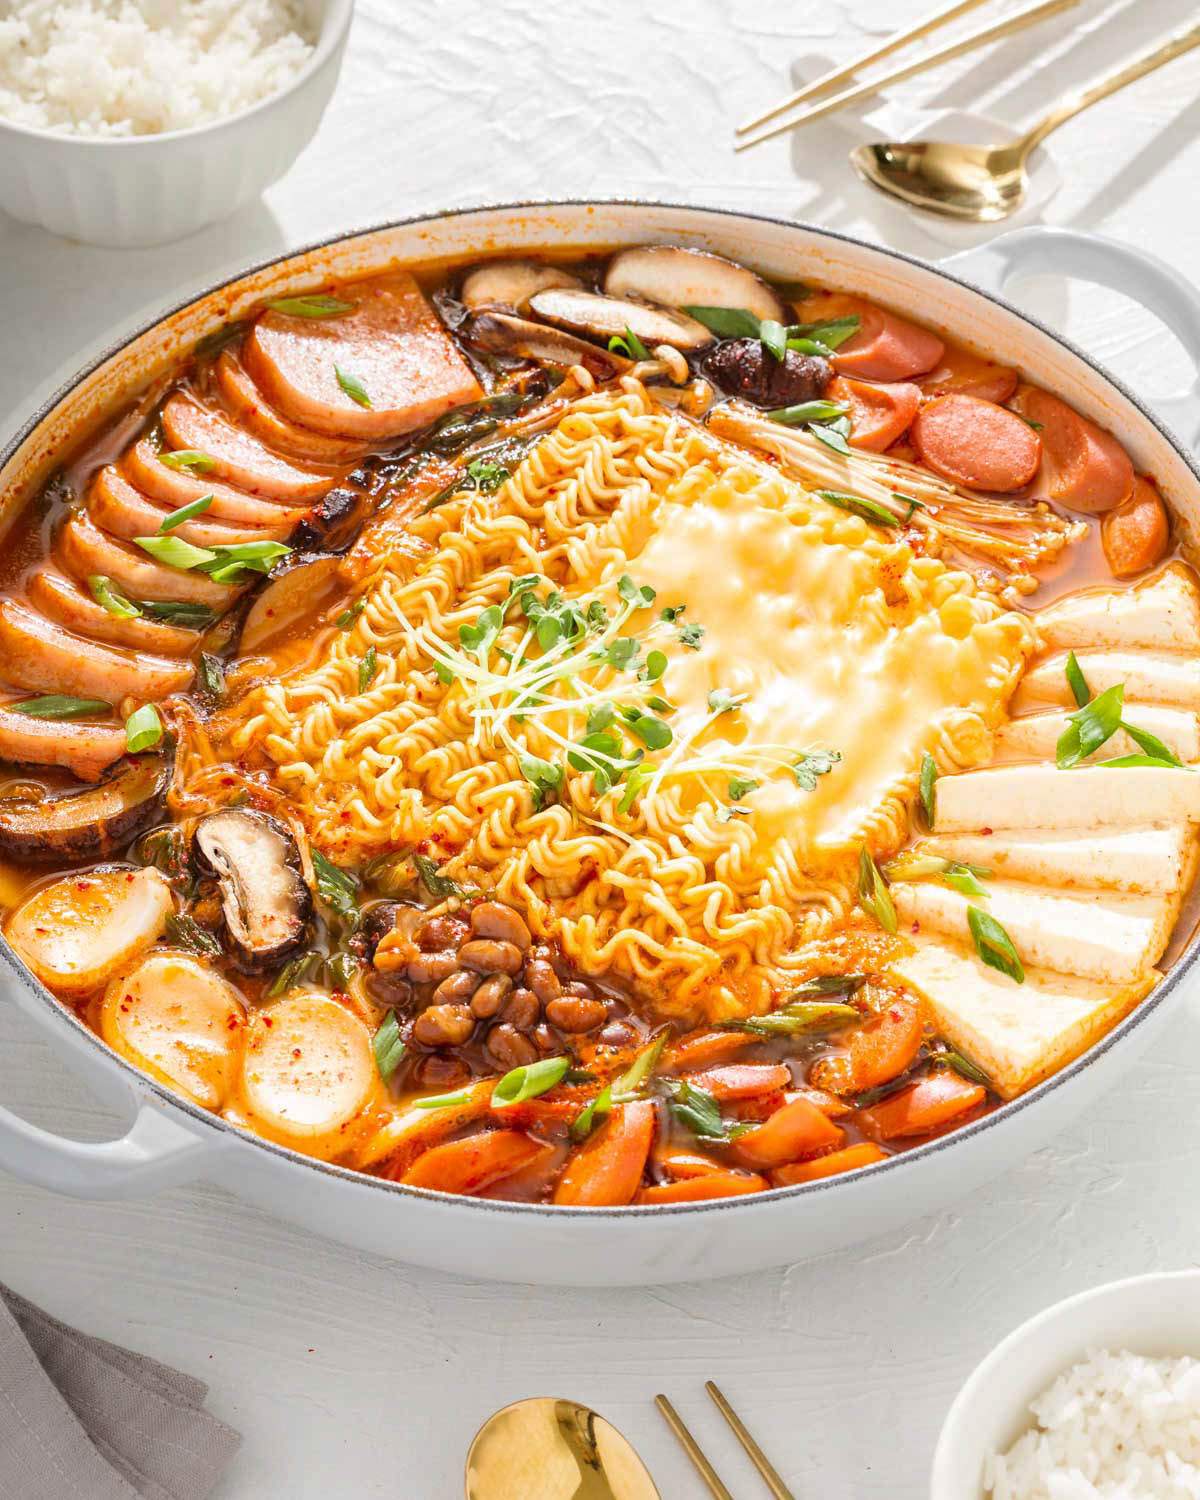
x: 1075, y: 104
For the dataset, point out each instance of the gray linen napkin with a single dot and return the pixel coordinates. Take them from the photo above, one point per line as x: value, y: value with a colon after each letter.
x: 80, y: 1417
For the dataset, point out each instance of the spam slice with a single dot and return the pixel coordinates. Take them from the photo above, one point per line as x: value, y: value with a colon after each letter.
x: 1037, y: 735
x: 1019, y: 1034
x: 1148, y: 676
x: 236, y: 456
x: 1091, y: 934
x: 1163, y: 612
x: 383, y: 368
x: 1086, y: 797
x: 1134, y: 859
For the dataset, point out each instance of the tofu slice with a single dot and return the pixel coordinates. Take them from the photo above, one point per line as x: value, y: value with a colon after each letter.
x: 1138, y: 859
x: 1149, y: 677
x: 1018, y: 1033
x: 1091, y: 934
x: 1163, y: 612
x: 1036, y: 735
x: 1045, y: 797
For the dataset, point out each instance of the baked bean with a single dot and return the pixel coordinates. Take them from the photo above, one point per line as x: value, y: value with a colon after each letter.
x: 392, y: 991
x: 489, y: 956
x: 542, y: 980
x: 546, y: 1040
x: 444, y: 1026
x: 522, y: 1010
x: 456, y: 988
x: 572, y: 1013
x: 432, y: 968
x: 508, y: 1048
x: 577, y: 987
x: 441, y: 1072
x: 440, y: 932
x: 492, y: 919
x: 395, y: 950
x: 617, y: 1034
x: 490, y: 996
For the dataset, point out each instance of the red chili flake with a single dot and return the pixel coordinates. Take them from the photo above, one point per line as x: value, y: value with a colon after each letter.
x: 229, y: 781
x: 987, y: 832
x: 296, y: 1052
x: 916, y: 927
x: 268, y: 1020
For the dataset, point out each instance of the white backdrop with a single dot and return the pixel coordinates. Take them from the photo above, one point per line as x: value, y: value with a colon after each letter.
x: 354, y: 1377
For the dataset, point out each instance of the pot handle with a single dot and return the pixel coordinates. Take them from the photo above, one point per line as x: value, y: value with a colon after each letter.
x: 155, y: 1152
x: 1159, y: 287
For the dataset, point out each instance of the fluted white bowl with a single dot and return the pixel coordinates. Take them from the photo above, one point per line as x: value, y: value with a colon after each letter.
x: 148, y: 189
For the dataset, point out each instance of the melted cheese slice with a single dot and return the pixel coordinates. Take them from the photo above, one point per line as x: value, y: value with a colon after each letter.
x: 837, y: 638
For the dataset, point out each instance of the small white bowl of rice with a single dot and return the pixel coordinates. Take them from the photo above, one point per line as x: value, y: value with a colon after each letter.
x: 135, y: 122
x: 1098, y: 1398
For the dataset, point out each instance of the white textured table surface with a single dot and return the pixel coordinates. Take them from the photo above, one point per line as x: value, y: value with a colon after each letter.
x: 352, y: 1377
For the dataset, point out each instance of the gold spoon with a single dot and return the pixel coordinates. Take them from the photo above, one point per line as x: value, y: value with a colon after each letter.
x: 986, y: 183
x: 547, y: 1449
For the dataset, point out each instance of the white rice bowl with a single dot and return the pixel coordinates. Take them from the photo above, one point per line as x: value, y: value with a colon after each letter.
x: 1116, y: 1426
x: 142, y: 67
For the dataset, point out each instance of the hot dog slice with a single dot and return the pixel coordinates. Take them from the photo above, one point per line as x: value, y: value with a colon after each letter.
x: 1135, y: 535
x: 383, y: 368
x: 237, y: 457
x: 59, y: 599
x: 888, y: 348
x: 249, y: 407
x: 879, y: 414
x: 963, y: 374
x: 1083, y: 466
x: 976, y: 443
x: 86, y: 749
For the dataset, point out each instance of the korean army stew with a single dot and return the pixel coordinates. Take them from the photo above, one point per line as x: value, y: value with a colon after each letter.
x: 606, y: 731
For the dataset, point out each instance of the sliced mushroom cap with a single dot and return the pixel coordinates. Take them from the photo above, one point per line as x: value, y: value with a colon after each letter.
x: 263, y: 895
x: 601, y: 317
x: 511, y: 283
x: 675, y: 277
x: 88, y: 824
x: 288, y: 598
x: 501, y: 333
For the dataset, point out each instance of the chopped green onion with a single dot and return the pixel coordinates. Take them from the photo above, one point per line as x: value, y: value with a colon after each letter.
x: 529, y: 1081
x: 348, y: 616
x: 1077, y: 682
x: 174, y: 552
x: 186, y: 615
x: 352, y: 386
x: 184, y: 513
x: 184, y: 930
x: 591, y: 1114
x: 105, y: 592
x: 774, y: 338
x: 367, y: 668
x: 696, y: 1109
x: 435, y: 882
x: 928, y: 788
x: 873, y: 895
x: 337, y: 889
x: 628, y: 344
x: 727, y: 322
x: 56, y: 706
x: 808, y: 411
x: 143, y: 729
x: 388, y: 1046
x: 868, y: 510
x: 831, y: 437
x: 1090, y: 727
x: 993, y: 944
x: 961, y: 1065
x: 189, y: 459
x: 828, y: 984
x: 631, y: 1082
x: 310, y: 305
x: 443, y: 1101
x: 802, y: 1017
x: 211, y: 673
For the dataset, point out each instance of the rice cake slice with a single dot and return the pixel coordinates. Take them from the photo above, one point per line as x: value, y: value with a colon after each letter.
x: 1163, y: 612
x: 1092, y: 934
x: 1041, y: 796
x: 1019, y: 1034
x: 1134, y: 859
x: 1037, y: 735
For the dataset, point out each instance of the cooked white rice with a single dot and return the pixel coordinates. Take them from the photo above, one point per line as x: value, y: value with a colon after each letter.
x: 1115, y: 1427
x: 139, y: 67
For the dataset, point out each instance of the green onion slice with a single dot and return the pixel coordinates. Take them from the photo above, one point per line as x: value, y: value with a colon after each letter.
x: 143, y: 729
x: 529, y: 1081
x: 57, y: 706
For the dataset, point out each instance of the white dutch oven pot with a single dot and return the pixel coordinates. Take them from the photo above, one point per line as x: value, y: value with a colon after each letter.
x: 171, y: 1142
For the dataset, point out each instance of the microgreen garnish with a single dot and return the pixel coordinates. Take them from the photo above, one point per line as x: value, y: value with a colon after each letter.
x: 310, y: 305
x: 189, y: 459
x: 873, y: 894
x: 143, y: 729
x: 352, y: 386
x: 727, y: 814
x: 367, y: 669
x: 485, y: 474
x: 106, y: 594
x: 336, y: 889
x: 720, y: 702
x: 741, y: 786
x: 545, y: 778
x: 388, y: 1046
x: 927, y: 787
x: 868, y: 510
x: 691, y: 636
x: 993, y: 944
x: 628, y: 344
x: 186, y: 932
x: 671, y: 613
x: 591, y: 1114
x: 812, y: 764
x: 184, y: 513
x: 529, y: 1081
x: 652, y: 732
x: 653, y: 667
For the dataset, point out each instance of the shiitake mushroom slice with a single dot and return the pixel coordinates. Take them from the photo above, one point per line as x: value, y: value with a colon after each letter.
x: 264, y: 899
x: 90, y: 824
x: 510, y: 283
x: 602, y: 317
x: 674, y: 276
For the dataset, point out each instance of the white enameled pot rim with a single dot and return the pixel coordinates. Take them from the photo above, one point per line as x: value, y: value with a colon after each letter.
x: 330, y: 38
x: 213, y: 1125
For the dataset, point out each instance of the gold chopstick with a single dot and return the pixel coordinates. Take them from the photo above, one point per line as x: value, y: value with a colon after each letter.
x: 692, y: 1448
x: 993, y: 33
x: 757, y: 1457
x: 894, y: 43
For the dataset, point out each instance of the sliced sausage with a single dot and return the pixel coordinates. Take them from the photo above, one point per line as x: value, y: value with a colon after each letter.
x: 249, y: 407
x: 888, y: 348
x: 391, y: 345
x: 1137, y: 533
x: 35, y: 653
x: 963, y: 374
x: 84, y: 550
x: 1082, y: 465
x: 976, y: 443
x: 238, y: 457
x: 142, y: 468
x: 121, y: 510
x: 879, y: 414
x: 59, y: 599
x: 85, y: 749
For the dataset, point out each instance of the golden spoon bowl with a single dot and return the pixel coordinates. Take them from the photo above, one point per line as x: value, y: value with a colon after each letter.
x: 549, y: 1449
x: 977, y: 183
